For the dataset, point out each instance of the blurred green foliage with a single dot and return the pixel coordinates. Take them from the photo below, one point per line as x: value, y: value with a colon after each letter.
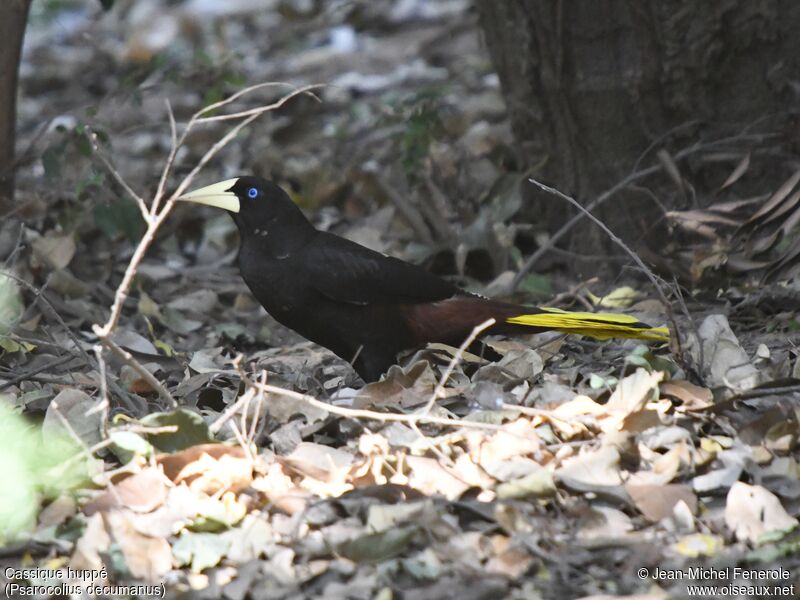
x: 34, y: 467
x: 423, y: 123
x: 420, y: 114
x: 120, y: 216
x: 11, y: 305
x: 191, y: 430
x: 72, y: 153
x: 537, y: 286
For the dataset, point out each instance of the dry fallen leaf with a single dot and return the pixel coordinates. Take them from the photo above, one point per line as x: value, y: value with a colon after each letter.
x: 279, y: 489
x: 740, y: 170
x: 94, y: 542
x: 517, y: 439
x: 54, y: 249
x: 73, y: 413
x: 209, y: 468
x: 632, y: 393
x: 725, y: 361
x: 402, y: 387
x: 656, y: 502
x: 751, y: 511
x: 318, y: 461
x: 148, y: 558
x: 57, y: 512
x: 141, y: 492
x: 600, y: 467
x: 663, y: 467
x: 508, y: 560
x: 693, y: 397
x: 605, y: 522
x: 381, y: 517
x: 428, y: 476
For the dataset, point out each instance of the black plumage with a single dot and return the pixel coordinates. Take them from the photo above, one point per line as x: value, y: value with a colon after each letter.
x: 364, y: 306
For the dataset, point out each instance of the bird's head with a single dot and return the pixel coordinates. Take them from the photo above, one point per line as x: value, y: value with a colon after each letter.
x: 259, y: 207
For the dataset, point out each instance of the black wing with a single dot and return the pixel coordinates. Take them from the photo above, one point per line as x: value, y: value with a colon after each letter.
x: 348, y: 272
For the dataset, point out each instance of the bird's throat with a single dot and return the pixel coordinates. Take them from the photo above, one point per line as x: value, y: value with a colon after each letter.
x: 273, y: 243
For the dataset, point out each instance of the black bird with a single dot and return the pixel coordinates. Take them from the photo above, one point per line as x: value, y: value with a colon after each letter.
x: 364, y: 306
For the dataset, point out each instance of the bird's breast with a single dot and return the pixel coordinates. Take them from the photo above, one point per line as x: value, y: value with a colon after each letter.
x: 273, y: 281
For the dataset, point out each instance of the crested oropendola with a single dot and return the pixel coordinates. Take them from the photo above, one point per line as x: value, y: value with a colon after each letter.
x: 363, y: 305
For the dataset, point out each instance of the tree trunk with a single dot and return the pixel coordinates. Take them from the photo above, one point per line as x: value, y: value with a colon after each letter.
x: 592, y: 84
x: 13, y: 16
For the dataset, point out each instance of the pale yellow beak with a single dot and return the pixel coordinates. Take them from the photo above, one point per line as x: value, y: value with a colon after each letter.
x: 216, y: 194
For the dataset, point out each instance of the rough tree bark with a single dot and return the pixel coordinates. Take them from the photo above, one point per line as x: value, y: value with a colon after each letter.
x: 13, y: 16
x: 590, y: 84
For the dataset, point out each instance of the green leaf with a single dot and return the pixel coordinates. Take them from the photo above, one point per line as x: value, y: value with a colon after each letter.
x: 126, y: 445
x: 176, y: 321
x: 165, y: 348
x: 192, y: 430
x: 638, y: 361
x: 11, y: 345
x: 119, y: 216
x: 597, y: 382
x: 51, y: 160
x: 776, y: 545
x: 231, y: 330
x: 94, y: 180
x: 84, y: 146
x: 536, y: 285
x: 201, y: 550
x: 102, y: 137
x: 417, y: 138
x: 377, y: 547
x: 11, y: 304
x: 534, y: 485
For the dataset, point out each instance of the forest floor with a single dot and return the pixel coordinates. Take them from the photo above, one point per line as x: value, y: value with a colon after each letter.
x: 570, y: 468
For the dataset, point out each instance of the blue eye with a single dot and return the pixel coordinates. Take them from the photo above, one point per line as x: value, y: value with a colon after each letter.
x: 252, y: 193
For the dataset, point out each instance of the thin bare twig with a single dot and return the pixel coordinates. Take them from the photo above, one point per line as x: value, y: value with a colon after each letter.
x: 239, y: 94
x: 127, y: 398
x: 128, y: 358
x: 614, y: 190
x: 437, y: 392
x: 242, y: 443
x: 686, y: 359
x: 92, y: 137
x: 358, y: 413
x: 242, y: 402
x: 305, y: 90
x: 173, y: 150
x: 155, y: 220
x: 233, y: 131
x: 615, y: 238
x: 130, y: 272
x: 133, y: 428
x: 251, y: 435
x: 158, y: 213
x: 103, y: 406
x: 89, y: 451
x: 101, y: 363
x: 409, y: 212
x: 33, y: 372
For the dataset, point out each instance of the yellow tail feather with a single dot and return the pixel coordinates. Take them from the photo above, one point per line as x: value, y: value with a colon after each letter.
x: 601, y: 326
